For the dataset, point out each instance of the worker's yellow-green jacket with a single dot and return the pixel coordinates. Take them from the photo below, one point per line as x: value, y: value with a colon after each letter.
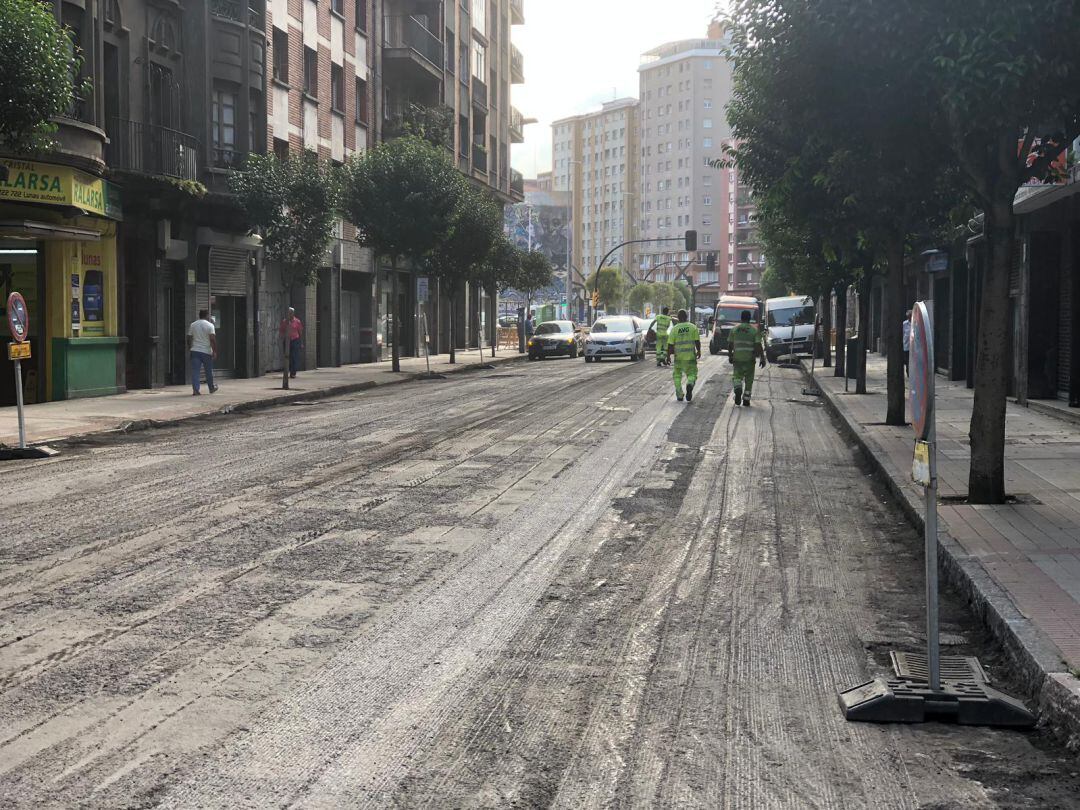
x: 745, y: 343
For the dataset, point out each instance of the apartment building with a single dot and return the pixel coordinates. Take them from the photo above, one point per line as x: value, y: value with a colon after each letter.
x: 684, y: 89
x: 180, y: 98
x: 595, y: 162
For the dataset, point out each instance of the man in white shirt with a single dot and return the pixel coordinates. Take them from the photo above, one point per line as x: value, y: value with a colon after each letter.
x: 907, y: 342
x: 202, y: 346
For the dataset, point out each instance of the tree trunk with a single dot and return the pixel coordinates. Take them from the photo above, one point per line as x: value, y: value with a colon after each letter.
x: 395, y: 326
x: 826, y: 328
x: 865, y: 285
x: 285, y: 343
x: 986, y: 477
x: 892, y: 332
x: 841, y: 331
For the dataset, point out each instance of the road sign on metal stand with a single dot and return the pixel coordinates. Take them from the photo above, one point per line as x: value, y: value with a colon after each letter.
x: 920, y: 691
x: 18, y: 318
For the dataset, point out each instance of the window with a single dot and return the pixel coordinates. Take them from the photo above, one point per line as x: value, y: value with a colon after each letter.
x: 706, y: 221
x: 311, y: 72
x: 361, y: 101
x: 338, y: 7
x: 707, y: 143
x: 281, y: 149
x: 706, y: 200
x: 708, y: 103
x: 361, y: 15
x: 450, y: 54
x: 281, y: 56
x: 256, y: 122
x: 337, y: 88
x: 479, y: 60
x: 706, y: 238
x: 707, y: 123
x: 479, y: 16
x: 223, y: 126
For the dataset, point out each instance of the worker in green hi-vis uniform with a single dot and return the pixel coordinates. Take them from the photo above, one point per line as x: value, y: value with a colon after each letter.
x: 661, y: 327
x: 744, y: 346
x: 684, y: 344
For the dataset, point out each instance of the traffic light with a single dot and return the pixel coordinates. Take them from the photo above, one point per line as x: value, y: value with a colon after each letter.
x: 595, y: 298
x: 691, y: 241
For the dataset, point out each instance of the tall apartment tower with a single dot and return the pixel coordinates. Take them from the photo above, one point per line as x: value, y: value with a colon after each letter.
x: 684, y: 89
x: 595, y: 160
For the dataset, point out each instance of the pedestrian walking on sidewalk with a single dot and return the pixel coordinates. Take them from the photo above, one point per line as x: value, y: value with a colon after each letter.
x: 907, y: 343
x: 202, y: 348
x: 661, y: 326
x: 684, y: 345
x: 295, y: 328
x: 744, y: 346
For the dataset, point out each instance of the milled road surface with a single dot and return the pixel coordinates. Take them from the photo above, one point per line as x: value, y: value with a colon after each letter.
x: 546, y: 586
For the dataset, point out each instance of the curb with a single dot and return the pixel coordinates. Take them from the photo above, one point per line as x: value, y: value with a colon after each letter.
x: 138, y: 425
x: 1053, y: 690
x: 1073, y: 418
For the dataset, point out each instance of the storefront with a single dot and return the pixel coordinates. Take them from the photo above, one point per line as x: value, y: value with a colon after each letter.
x: 58, y: 248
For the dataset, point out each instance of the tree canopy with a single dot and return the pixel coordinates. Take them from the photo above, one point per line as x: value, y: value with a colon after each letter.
x: 38, y: 68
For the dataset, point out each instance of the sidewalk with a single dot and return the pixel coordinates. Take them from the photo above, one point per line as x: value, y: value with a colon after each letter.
x: 1020, y: 563
x: 56, y: 421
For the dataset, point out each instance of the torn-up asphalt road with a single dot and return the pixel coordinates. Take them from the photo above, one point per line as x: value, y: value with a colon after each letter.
x: 547, y: 586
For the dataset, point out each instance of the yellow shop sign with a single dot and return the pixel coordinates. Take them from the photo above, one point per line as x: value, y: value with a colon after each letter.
x: 46, y: 184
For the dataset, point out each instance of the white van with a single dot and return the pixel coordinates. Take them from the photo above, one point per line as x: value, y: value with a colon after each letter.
x: 789, y: 325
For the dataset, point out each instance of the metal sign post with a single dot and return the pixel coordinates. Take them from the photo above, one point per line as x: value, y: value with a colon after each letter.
x: 18, y: 318
x: 924, y: 471
x: 929, y: 687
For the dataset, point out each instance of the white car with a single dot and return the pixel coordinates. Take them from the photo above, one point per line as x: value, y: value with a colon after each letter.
x: 617, y: 336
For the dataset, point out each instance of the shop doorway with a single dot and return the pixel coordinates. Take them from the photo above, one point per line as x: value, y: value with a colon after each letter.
x: 22, y: 271
x: 228, y: 312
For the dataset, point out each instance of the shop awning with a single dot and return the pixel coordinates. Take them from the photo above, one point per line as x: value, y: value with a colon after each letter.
x: 31, y: 230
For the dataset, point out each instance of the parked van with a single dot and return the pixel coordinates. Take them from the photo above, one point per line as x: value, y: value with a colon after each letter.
x: 728, y: 313
x: 790, y: 323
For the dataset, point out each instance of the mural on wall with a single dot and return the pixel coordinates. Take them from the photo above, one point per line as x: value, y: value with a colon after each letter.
x: 540, y: 224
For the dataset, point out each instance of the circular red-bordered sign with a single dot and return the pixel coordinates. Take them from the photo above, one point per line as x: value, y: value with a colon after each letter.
x: 921, y: 363
x: 18, y: 317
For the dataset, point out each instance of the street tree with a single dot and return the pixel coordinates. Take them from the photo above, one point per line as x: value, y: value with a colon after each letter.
x: 867, y: 153
x: 39, y: 66
x: 501, y: 271
x: 401, y: 197
x: 1007, y: 78
x: 665, y: 295
x: 293, y: 204
x: 772, y: 284
x: 534, y: 273
x: 640, y: 295
x: 461, y: 255
x: 610, y: 284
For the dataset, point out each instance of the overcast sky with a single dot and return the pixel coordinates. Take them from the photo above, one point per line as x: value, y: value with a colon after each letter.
x: 581, y: 53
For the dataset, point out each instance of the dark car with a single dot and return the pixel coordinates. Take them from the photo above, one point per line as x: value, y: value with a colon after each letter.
x: 555, y: 339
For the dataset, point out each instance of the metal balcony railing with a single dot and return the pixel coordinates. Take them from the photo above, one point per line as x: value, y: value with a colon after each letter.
x: 517, y: 182
x: 517, y: 65
x: 479, y: 158
x: 479, y: 93
x: 517, y: 12
x: 150, y: 149
x: 237, y: 11
x: 407, y: 32
x: 517, y: 122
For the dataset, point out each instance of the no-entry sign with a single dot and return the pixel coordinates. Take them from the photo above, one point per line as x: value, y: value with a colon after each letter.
x: 921, y: 360
x: 18, y: 317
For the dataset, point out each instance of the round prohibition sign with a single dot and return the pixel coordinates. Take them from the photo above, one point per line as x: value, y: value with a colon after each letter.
x: 18, y: 317
x: 922, y: 371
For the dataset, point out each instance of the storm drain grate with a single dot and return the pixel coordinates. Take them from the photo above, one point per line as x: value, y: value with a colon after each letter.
x: 954, y: 668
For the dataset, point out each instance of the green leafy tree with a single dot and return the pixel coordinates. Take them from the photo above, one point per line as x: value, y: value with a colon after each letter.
x: 534, y: 272
x: 683, y: 297
x: 38, y: 66
x: 640, y: 295
x: 432, y: 124
x: 475, y: 227
x: 401, y: 196
x: 772, y: 285
x: 293, y: 203
x: 610, y: 283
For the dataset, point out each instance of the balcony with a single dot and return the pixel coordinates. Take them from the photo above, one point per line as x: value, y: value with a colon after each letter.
x: 517, y: 66
x: 479, y: 158
x: 517, y: 185
x: 149, y: 149
x: 408, y: 45
x: 479, y: 94
x: 517, y: 12
x: 236, y: 11
x: 517, y: 126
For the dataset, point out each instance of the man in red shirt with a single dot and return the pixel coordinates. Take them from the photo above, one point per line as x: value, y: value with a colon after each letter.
x: 295, y: 329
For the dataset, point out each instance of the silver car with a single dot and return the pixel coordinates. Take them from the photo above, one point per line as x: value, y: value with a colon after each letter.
x: 617, y: 336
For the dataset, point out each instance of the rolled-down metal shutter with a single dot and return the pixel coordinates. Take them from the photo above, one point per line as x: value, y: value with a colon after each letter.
x: 228, y: 271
